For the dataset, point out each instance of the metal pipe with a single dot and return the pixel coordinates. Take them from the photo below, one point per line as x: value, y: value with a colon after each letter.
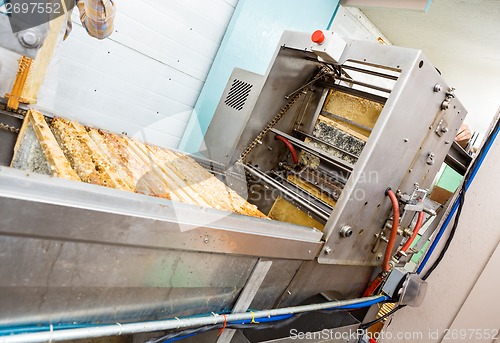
x: 177, y: 323
x: 364, y: 84
x: 321, y: 74
x: 345, y: 120
x: 303, y: 202
x: 347, y: 167
x: 371, y: 72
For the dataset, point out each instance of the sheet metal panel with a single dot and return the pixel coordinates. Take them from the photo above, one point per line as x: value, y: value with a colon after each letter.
x: 396, y: 154
x: 78, y: 252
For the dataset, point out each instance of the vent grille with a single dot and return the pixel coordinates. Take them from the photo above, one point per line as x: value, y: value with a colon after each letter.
x: 238, y: 94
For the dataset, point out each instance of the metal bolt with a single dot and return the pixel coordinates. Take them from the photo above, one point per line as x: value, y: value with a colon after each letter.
x: 438, y: 88
x: 328, y: 250
x: 430, y: 159
x: 444, y: 129
x: 406, y: 140
x: 29, y: 39
x: 346, y: 231
x: 379, y: 256
x: 447, y: 142
x: 206, y: 240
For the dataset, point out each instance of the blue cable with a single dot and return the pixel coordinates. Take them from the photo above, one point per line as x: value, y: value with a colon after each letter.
x: 287, y: 316
x: 364, y: 304
x: 480, y: 160
x: 264, y: 319
x: 5, y: 331
x: 15, y: 330
x: 178, y: 338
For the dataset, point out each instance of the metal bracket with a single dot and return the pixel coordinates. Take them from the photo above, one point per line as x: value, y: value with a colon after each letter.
x: 26, y: 42
x: 247, y: 295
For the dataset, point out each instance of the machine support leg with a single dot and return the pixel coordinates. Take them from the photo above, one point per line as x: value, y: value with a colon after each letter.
x: 247, y: 295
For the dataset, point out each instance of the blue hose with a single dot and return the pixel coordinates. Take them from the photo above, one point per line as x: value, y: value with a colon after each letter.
x: 474, y: 171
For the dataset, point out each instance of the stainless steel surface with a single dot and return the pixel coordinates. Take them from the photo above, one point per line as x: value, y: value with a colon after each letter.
x: 306, y: 203
x: 143, y: 221
x: 313, y: 278
x: 334, y: 116
x: 387, y: 156
x: 370, y: 72
x: 274, y: 285
x: 106, y: 255
x: 293, y: 65
x: 364, y: 84
x: 247, y: 295
x: 26, y: 42
x: 224, y: 131
x: 169, y: 324
x: 50, y: 280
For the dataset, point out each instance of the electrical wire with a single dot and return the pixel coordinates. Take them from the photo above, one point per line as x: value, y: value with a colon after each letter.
x: 461, y: 199
x: 372, y: 287
x: 418, y: 225
x: 200, y: 323
x: 263, y: 322
x: 365, y: 326
x: 458, y: 204
x: 394, y: 232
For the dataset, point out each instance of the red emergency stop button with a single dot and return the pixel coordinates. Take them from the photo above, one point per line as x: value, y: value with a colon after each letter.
x: 318, y: 37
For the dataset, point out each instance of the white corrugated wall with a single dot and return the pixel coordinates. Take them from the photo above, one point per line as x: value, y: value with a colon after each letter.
x: 144, y: 80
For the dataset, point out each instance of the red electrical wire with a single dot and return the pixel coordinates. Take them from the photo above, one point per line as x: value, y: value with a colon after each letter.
x: 418, y: 225
x: 290, y: 147
x: 394, y: 231
x: 373, y: 286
